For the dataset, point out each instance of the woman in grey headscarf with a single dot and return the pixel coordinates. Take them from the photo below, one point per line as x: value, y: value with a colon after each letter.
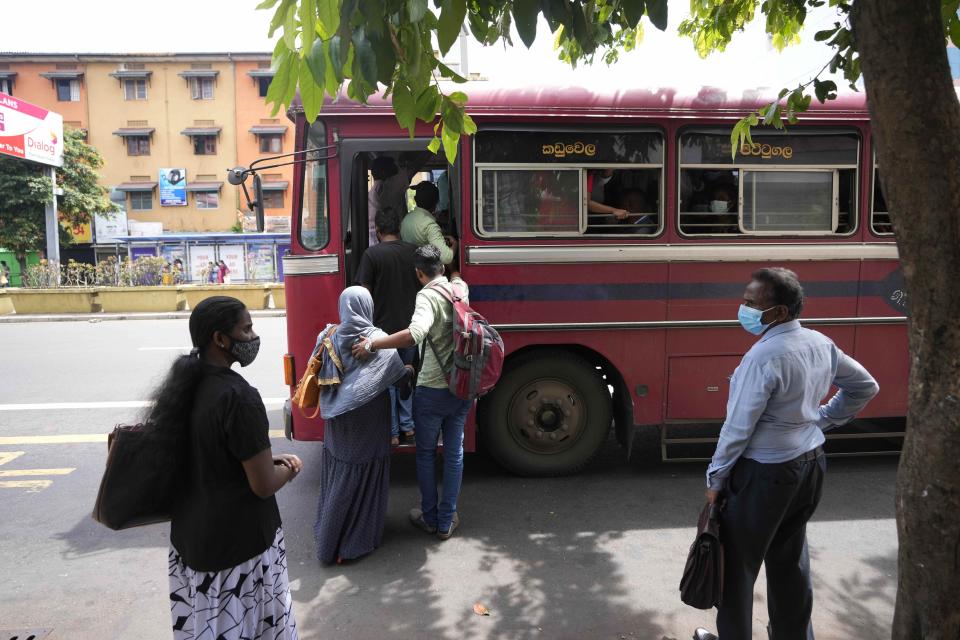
x: 355, y: 406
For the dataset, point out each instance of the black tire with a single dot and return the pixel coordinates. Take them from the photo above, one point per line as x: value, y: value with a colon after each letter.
x: 548, y: 415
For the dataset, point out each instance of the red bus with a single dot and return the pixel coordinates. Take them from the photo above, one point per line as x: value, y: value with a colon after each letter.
x: 616, y: 323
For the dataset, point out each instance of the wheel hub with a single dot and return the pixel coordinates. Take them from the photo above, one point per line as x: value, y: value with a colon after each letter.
x: 546, y: 416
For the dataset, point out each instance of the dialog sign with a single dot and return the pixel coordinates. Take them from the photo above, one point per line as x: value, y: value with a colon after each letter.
x: 30, y: 132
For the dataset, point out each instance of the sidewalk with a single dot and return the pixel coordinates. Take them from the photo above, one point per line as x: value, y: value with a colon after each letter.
x: 15, y: 318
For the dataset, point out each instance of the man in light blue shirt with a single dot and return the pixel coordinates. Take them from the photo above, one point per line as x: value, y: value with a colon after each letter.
x: 768, y: 466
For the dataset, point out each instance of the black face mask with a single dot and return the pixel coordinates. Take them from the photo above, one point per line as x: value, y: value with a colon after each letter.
x: 245, y: 351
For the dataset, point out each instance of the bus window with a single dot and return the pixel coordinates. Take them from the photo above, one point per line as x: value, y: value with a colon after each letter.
x: 781, y: 184
x: 314, y: 218
x: 879, y: 215
x: 551, y: 183
x: 530, y: 201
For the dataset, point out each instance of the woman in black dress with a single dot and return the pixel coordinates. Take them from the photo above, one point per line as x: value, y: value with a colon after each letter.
x: 227, y: 562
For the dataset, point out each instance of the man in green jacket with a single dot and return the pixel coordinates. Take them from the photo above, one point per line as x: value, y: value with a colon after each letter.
x: 420, y: 228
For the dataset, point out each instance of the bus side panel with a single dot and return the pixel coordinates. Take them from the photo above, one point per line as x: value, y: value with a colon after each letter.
x: 581, y: 293
x: 700, y: 361
x: 311, y: 305
x: 883, y: 349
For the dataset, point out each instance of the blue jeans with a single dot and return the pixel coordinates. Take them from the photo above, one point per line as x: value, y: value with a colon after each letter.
x: 437, y: 411
x: 401, y: 411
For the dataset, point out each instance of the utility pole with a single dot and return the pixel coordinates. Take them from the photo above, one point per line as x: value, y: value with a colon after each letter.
x: 53, y: 225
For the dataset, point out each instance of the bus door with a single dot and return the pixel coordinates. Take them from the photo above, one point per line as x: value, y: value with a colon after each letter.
x: 358, y: 154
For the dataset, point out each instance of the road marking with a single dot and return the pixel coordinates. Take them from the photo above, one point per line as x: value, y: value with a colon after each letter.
x: 17, y: 473
x: 80, y: 438
x: 30, y: 485
x: 7, y: 456
x: 116, y: 404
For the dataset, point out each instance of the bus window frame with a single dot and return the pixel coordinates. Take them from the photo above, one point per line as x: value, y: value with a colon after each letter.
x: 494, y: 166
x: 476, y: 214
x: 874, y: 171
x: 740, y: 168
x: 302, y: 169
x: 834, y: 204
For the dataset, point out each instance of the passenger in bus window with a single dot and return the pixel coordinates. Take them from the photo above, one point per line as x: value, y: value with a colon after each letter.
x: 419, y: 226
x: 723, y: 207
x: 769, y: 464
x: 598, y: 185
x: 642, y: 218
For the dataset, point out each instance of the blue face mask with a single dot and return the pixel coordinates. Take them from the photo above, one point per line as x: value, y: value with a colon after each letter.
x: 750, y: 319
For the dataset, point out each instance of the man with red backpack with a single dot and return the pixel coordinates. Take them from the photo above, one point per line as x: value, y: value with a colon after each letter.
x: 461, y: 359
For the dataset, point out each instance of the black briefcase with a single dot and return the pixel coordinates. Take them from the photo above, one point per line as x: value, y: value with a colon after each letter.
x: 702, y: 583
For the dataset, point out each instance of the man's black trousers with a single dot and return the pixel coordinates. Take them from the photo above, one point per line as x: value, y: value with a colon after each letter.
x: 765, y: 521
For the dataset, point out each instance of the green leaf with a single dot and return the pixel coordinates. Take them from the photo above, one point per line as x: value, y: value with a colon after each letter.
x: 290, y: 28
x: 450, y: 141
x: 279, y: 16
x: 267, y: 4
x: 284, y: 83
x: 657, y: 12
x: 428, y: 103
x: 452, y: 115
x: 525, y: 14
x: 308, y: 23
x: 416, y: 9
x: 458, y: 98
x: 366, y: 58
x: 386, y: 57
x: 337, y: 57
x: 317, y: 64
x: 333, y: 81
x: 955, y: 30
x: 469, y: 126
x: 311, y: 92
x: 434, y: 145
x: 449, y: 73
x: 452, y: 15
x: 632, y: 11
x: 404, y: 108
x: 328, y: 12
x: 826, y: 34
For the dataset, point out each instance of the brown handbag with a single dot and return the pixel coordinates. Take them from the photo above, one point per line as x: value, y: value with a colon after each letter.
x: 702, y: 583
x: 307, y: 394
x: 141, y: 478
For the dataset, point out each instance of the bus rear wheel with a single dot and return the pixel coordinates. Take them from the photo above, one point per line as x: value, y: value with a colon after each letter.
x: 548, y: 415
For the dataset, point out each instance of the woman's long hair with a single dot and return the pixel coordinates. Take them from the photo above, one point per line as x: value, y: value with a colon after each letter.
x: 173, y: 399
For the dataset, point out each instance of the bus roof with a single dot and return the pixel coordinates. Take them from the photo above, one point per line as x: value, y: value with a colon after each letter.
x: 560, y: 101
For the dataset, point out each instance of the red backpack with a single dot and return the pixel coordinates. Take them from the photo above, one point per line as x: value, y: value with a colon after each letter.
x: 477, y: 358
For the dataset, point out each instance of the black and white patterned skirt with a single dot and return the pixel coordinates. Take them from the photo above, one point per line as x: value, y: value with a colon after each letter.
x: 251, y: 600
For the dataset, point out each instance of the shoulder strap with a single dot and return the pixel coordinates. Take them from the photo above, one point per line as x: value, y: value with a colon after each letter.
x: 451, y: 295
x: 328, y: 343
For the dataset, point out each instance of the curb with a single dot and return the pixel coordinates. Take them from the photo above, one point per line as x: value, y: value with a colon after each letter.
x: 105, y: 317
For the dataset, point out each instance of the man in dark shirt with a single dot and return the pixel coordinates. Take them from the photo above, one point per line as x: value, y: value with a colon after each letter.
x: 387, y: 271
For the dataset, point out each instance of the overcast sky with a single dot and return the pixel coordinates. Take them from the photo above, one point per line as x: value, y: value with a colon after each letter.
x: 663, y: 59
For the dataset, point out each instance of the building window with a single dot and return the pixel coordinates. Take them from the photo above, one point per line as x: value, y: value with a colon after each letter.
x: 6, y: 86
x: 207, y: 199
x: 68, y: 90
x: 135, y: 89
x: 201, y: 88
x: 204, y: 145
x: 141, y: 200
x: 263, y: 85
x: 271, y: 143
x: 273, y: 199
x: 138, y: 145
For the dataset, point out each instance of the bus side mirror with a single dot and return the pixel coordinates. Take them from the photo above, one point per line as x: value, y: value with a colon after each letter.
x: 258, y: 201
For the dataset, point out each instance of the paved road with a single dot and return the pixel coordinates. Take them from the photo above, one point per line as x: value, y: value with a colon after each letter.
x: 598, y: 555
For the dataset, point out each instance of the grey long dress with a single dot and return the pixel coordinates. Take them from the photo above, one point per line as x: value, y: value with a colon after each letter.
x: 355, y: 482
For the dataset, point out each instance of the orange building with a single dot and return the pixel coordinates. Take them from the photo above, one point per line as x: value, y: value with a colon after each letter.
x: 157, y: 117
